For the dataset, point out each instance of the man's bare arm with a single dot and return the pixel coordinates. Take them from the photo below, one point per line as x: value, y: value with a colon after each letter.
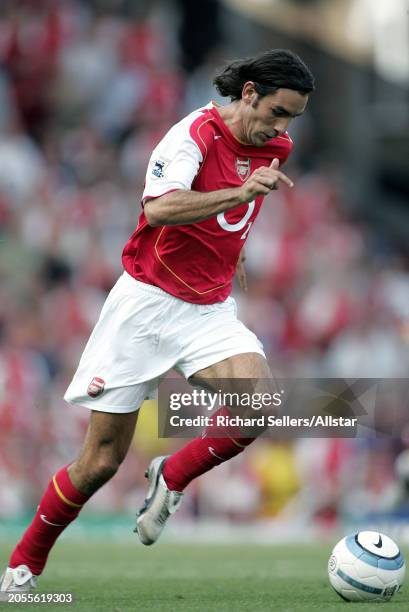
x: 182, y: 207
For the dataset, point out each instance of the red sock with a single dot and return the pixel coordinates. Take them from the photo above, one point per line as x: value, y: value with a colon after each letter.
x: 202, y: 454
x: 59, y: 506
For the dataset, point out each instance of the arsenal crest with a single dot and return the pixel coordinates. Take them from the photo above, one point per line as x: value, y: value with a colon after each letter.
x: 243, y: 168
x: 96, y: 387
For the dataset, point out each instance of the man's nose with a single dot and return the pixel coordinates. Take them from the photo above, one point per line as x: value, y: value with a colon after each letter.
x: 281, y: 125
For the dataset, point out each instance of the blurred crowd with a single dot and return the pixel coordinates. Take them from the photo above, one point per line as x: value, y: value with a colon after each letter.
x: 85, y: 94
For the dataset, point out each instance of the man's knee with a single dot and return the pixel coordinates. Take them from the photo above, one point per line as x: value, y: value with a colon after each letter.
x: 106, y: 466
x: 92, y: 471
x: 105, y: 447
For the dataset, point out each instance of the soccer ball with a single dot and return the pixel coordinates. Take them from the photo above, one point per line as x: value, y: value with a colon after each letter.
x: 366, y: 566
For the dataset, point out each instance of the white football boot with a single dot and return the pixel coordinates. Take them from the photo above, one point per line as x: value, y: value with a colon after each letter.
x: 160, y: 504
x: 17, y: 580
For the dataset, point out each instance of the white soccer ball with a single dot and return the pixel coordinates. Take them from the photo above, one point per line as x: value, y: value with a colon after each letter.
x: 366, y: 566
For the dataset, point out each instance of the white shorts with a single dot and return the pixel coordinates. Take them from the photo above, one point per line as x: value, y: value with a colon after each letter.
x: 141, y: 334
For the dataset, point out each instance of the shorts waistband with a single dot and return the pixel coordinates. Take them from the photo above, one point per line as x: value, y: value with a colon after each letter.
x: 133, y: 283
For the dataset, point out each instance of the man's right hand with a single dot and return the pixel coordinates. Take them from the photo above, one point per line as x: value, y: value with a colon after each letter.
x: 263, y: 180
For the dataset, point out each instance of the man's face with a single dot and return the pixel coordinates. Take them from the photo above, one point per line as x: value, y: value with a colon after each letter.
x: 266, y: 117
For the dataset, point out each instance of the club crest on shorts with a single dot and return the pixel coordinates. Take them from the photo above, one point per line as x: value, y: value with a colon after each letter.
x: 96, y: 387
x: 243, y: 168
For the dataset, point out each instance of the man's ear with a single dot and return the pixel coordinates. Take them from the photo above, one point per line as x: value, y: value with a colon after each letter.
x: 248, y: 93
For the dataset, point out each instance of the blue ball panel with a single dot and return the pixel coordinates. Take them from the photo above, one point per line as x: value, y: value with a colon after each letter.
x: 359, y: 585
x: 371, y: 558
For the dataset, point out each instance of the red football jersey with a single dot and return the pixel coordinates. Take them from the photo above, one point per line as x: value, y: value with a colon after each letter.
x: 197, y: 262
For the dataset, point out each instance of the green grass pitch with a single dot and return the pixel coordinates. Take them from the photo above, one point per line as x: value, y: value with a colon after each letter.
x: 114, y: 577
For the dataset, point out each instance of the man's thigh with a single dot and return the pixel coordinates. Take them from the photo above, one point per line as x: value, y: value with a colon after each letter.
x: 245, y: 373
x: 245, y: 365
x: 245, y: 384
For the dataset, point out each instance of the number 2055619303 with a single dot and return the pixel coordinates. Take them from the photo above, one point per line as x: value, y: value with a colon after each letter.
x: 40, y: 598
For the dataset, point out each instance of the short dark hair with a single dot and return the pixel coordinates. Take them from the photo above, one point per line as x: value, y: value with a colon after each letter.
x: 269, y: 71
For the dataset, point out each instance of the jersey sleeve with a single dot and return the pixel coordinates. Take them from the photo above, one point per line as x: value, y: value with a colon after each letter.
x: 174, y: 163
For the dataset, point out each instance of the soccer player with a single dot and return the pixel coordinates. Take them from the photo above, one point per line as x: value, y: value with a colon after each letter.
x: 171, y: 308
